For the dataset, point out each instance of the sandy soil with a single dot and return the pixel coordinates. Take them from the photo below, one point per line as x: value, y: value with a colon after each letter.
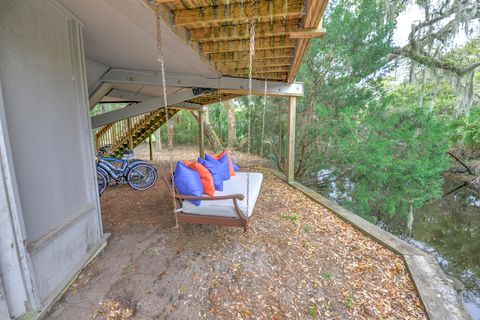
x: 298, y: 261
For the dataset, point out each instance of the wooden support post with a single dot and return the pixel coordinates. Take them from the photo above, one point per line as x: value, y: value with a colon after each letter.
x: 97, y: 143
x: 201, y: 137
x: 130, y: 138
x: 150, y: 147
x: 292, y: 106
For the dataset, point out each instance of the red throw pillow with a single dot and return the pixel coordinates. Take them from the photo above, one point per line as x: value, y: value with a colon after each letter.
x: 230, y: 162
x: 205, y: 177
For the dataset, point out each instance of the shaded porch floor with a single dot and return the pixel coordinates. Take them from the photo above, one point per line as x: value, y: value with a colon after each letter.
x: 298, y: 261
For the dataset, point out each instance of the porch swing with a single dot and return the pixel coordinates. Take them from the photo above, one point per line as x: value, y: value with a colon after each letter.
x: 234, y: 205
x: 230, y: 207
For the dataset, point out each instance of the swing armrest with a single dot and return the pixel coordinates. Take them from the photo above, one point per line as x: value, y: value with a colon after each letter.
x: 168, y: 182
x: 225, y: 197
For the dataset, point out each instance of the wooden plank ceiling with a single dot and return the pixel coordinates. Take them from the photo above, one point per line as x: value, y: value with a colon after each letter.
x: 220, y: 29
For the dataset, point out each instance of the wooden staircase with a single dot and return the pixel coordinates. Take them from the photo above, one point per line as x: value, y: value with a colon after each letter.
x: 127, y: 134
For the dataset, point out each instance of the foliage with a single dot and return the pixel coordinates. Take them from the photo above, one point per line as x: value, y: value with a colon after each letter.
x: 438, y: 97
x: 313, y: 311
x: 384, y: 159
x: 337, y: 63
x: 466, y: 130
x: 349, y: 301
x: 378, y: 154
x: 431, y: 38
x: 341, y: 71
x: 185, y: 130
x: 106, y: 107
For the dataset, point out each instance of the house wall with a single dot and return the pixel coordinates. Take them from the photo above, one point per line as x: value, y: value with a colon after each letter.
x: 4, y: 313
x: 45, y: 102
x: 18, y: 292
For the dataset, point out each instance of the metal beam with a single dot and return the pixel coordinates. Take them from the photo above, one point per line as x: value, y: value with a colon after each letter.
x: 144, y: 107
x: 239, y: 85
x: 99, y: 91
x: 129, y: 96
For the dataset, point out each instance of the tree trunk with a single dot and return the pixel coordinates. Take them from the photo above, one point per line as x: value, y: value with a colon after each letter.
x: 213, y: 139
x: 158, y: 143
x: 280, y: 163
x: 306, y: 119
x: 231, y: 122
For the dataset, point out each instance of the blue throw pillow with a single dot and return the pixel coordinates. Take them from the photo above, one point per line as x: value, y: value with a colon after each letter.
x: 187, y: 182
x: 224, y: 165
x: 235, y: 166
x: 214, y: 168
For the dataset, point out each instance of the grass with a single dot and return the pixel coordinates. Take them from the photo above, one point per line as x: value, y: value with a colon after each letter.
x: 313, y: 311
x: 152, y: 252
x: 306, y: 228
x: 328, y: 275
x: 293, y: 218
x: 306, y: 245
x: 349, y: 301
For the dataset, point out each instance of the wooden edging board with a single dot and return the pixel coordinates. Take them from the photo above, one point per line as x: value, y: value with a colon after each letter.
x: 437, y: 293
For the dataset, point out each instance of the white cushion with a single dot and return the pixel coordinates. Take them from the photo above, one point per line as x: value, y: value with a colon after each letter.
x: 225, y: 208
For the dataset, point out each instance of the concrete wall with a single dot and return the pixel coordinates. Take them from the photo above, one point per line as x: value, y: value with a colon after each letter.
x: 42, y: 72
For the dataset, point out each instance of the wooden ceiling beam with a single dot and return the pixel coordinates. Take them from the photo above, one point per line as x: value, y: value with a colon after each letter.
x: 224, y: 97
x: 313, y: 20
x: 260, y: 54
x: 255, y: 64
x: 238, y: 12
x: 308, y: 33
x: 180, y: 32
x: 242, y: 31
x: 269, y: 69
x: 264, y: 75
x: 244, y: 45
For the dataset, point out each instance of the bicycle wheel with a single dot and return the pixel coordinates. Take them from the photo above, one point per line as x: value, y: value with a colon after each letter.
x: 102, y: 180
x: 142, y: 176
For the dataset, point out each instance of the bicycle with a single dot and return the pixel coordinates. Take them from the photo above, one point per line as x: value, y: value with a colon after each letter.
x: 139, y: 174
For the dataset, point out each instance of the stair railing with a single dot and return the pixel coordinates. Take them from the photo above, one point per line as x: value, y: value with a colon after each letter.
x: 117, y: 133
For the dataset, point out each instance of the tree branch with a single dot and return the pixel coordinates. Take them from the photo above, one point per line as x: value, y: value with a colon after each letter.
x: 427, y: 60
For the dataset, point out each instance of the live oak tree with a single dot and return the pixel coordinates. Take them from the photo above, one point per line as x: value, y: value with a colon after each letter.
x: 431, y: 40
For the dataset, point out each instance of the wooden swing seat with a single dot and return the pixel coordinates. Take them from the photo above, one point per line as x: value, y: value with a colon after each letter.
x: 227, y: 207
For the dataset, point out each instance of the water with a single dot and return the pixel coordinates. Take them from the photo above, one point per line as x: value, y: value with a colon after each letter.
x: 448, y: 229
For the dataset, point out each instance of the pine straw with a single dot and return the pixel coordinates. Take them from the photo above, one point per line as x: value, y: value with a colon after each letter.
x: 113, y: 310
x: 300, y: 260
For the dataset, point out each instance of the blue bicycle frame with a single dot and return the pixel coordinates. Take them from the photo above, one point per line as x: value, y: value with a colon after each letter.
x: 139, y: 174
x: 117, y: 168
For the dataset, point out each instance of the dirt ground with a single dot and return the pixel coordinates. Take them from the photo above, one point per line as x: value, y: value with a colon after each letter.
x: 298, y: 261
